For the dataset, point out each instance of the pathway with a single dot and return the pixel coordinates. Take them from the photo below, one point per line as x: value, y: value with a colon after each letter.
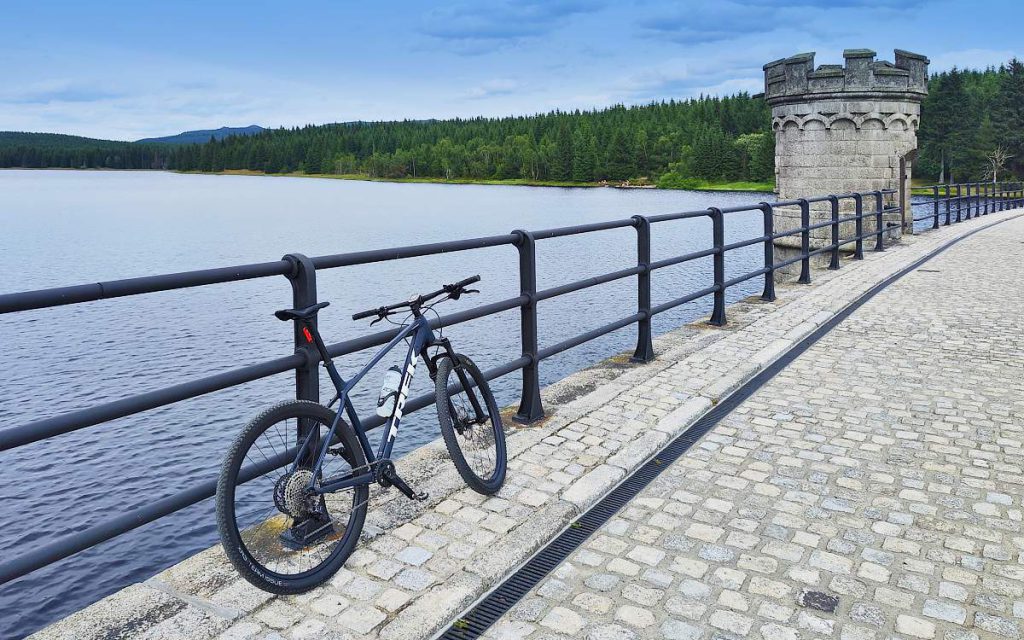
x: 870, y: 490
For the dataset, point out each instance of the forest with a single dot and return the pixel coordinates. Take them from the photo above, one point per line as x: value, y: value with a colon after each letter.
x: 972, y: 125
x: 706, y: 138
x: 972, y: 122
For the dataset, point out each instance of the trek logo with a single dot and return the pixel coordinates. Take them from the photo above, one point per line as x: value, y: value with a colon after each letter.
x: 403, y: 393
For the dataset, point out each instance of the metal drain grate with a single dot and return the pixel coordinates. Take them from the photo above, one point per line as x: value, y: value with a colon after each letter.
x: 495, y: 604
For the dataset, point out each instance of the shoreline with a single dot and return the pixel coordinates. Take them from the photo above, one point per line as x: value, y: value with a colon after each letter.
x: 513, y: 182
x: 739, y: 186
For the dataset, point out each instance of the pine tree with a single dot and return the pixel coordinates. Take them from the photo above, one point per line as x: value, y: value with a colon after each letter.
x: 620, y: 164
x: 1008, y: 114
x: 562, y: 168
x: 714, y: 155
x: 943, y: 118
x: 584, y: 157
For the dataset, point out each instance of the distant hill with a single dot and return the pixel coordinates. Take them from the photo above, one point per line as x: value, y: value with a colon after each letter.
x: 204, y: 135
x: 50, y: 140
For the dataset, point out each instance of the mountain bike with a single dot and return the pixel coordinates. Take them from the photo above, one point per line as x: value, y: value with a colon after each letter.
x: 294, y: 485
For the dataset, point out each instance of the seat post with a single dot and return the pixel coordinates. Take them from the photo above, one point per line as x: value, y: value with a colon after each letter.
x: 318, y: 342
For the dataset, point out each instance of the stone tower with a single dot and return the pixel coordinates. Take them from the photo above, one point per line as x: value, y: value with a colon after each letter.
x: 842, y: 128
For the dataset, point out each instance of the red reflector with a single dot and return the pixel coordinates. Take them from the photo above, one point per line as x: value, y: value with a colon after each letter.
x: 309, y: 336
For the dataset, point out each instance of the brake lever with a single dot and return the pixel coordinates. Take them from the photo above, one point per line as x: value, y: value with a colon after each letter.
x: 470, y: 291
x: 379, y: 318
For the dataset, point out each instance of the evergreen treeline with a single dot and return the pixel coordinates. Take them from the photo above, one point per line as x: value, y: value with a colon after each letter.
x: 705, y: 138
x: 54, y: 150
x: 968, y: 118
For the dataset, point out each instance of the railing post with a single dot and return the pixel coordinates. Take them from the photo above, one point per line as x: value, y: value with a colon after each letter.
x: 834, y: 200
x: 967, y: 190
x: 858, y: 247
x: 644, y: 351
x: 718, y: 238
x: 805, y: 242
x: 530, y: 407
x: 935, y: 206
x: 303, y: 280
x: 879, y: 222
x: 959, y: 202
x: 768, y: 295
x: 948, y: 204
x: 988, y: 196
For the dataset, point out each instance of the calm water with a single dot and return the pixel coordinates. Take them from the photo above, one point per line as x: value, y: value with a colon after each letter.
x: 59, y: 228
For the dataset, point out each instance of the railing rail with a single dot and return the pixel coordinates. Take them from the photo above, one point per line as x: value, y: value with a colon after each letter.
x: 301, y: 272
x: 956, y: 202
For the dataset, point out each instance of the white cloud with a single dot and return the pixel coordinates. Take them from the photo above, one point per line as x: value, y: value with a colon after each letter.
x: 493, y: 88
x: 972, y: 58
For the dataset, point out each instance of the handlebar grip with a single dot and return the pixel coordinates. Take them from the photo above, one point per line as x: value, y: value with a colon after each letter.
x: 365, y: 314
x: 468, y: 281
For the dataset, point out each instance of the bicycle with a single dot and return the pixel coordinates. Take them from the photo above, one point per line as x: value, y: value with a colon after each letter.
x: 294, y: 486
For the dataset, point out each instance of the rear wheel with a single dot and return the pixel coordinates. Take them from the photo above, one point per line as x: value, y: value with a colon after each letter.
x: 279, y: 536
x: 471, y: 424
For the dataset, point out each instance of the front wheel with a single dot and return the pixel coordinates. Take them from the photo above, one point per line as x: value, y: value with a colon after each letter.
x: 471, y: 424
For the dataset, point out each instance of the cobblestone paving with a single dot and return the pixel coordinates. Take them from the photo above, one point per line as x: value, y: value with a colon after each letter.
x: 871, y: 490
x: 773, y: 501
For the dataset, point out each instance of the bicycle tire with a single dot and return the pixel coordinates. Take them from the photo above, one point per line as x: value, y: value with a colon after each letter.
x: 454, y: 431
x: 243, y: 559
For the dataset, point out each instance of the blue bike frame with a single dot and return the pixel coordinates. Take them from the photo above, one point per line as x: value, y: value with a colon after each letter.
x: 422, y: 337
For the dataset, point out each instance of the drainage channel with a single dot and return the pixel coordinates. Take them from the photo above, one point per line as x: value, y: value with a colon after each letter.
x: 489, y: 609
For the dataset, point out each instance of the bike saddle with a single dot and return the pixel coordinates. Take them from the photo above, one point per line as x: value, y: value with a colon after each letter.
x: 300, y: 314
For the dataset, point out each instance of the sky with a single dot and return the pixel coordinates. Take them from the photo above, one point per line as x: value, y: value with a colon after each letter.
x: 129, y: 69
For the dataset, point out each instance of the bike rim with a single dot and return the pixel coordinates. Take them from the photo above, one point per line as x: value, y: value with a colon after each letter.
x: 282, y: 542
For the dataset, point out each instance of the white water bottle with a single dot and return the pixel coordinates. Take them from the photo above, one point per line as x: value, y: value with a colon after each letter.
x: 389, y: 392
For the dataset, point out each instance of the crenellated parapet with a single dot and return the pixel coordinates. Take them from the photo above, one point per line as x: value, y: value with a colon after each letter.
x: 795, y: 79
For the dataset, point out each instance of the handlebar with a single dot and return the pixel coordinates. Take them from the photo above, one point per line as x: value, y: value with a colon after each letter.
x: 453, y: 290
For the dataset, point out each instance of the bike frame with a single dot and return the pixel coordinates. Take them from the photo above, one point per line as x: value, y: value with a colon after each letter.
x: 422, y: 338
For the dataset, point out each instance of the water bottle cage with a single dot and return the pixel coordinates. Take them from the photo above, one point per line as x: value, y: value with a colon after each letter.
x: 382, y: 400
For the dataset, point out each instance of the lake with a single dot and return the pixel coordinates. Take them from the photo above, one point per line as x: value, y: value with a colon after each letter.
x: 67, y: 227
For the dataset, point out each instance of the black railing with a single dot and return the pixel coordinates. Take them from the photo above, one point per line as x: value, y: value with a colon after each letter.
x: 955, y: 202
x: 301, y: 272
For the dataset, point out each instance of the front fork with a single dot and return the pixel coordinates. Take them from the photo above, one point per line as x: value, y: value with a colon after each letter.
x: 446, y: 350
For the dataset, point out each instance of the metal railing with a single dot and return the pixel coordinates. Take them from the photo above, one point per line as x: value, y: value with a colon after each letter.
x: 956, y: 202
x: 301, y: 271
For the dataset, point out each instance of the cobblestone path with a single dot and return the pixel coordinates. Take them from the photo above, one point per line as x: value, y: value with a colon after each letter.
x: 871, y: 490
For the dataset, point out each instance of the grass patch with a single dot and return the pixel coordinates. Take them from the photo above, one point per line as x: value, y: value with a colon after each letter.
x: 694, y: 185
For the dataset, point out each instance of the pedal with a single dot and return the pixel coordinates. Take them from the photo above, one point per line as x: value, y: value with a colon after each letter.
x: 400, y: 484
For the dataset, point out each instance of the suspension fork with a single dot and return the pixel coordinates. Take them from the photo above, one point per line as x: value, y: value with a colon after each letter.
x: 460, y: 371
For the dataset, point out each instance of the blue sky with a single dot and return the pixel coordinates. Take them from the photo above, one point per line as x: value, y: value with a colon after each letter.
x: 130, y: 69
